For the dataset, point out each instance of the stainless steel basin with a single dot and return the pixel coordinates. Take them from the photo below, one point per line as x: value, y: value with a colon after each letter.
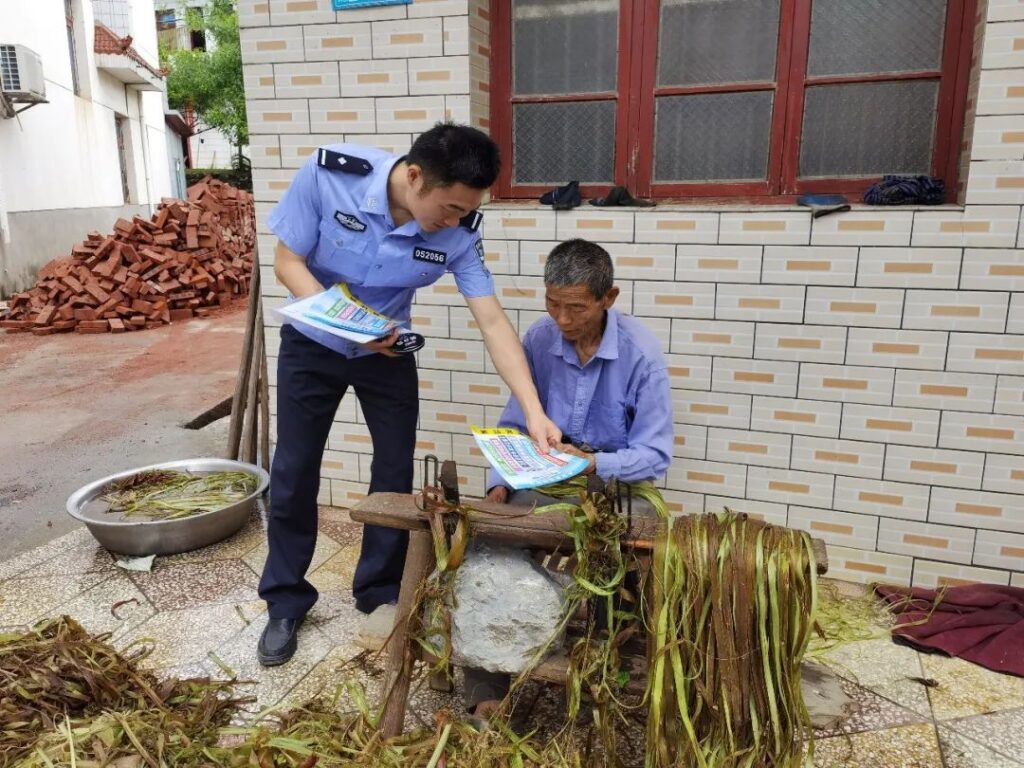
x: 168, y: 537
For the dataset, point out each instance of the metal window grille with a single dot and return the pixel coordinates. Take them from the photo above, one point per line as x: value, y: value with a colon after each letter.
x: 9, y: 75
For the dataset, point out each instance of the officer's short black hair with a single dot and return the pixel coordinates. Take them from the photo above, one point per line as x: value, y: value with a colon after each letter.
x: 456, y: 154
x: 580, y: 262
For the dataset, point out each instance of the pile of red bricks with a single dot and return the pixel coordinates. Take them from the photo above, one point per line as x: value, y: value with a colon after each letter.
x: 192, y: 256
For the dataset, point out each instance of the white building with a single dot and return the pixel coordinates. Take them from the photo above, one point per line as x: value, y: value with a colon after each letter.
x: 97, y: 148
x: 208, y: 147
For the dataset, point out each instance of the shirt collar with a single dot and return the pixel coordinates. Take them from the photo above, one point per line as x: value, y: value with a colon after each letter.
x: 376, y: 199
x: 608, y: 349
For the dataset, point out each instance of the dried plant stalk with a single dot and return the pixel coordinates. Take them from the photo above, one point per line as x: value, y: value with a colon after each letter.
x: 733, y: 604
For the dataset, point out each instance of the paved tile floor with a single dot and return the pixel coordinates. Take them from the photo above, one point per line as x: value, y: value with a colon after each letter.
x: 201, y: 612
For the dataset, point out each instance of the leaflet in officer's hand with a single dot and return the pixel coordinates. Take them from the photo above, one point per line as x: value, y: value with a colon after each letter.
x: 521, y: 465
x: 338, y: 312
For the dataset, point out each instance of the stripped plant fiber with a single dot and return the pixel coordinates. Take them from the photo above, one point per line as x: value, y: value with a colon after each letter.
x: 732, y: 609
x: 68, y: 698
x: 169, y: 494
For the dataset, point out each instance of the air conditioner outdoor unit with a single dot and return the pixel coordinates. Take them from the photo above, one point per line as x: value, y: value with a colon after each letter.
x: 21, y: 74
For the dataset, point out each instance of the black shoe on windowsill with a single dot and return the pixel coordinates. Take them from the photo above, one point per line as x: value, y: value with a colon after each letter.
x: 278, y: 642
x: 563, y: 198
x: 619, y: 195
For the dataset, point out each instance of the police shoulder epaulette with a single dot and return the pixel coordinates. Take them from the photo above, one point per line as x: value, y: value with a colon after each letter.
x: 471, y: 220
x: 336, y: 161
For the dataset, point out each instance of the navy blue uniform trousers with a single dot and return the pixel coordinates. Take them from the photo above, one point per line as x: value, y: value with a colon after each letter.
x: 311, y: 380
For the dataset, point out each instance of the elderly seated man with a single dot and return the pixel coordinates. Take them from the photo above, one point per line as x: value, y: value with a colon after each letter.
x: 602, y: 378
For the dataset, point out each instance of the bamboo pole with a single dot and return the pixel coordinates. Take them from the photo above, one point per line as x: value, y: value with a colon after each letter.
x: 264, y: 404
x: 251, y: 412
x: 244, y: 364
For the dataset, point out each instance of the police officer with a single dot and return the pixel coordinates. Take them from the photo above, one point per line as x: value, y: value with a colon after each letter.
x: 385, y: 226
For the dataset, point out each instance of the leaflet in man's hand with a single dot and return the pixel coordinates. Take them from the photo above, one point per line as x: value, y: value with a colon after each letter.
x: 339, y: 313
x: 521, y: 465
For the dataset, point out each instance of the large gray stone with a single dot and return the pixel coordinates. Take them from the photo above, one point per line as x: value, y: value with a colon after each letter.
x: 506, y: 609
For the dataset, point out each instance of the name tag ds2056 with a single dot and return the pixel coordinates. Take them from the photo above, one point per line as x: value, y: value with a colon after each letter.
x: 432, y: 257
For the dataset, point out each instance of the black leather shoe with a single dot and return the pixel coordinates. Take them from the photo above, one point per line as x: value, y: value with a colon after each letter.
x: 563, y: 198
x: 278, y: 641
x: 619, y: 195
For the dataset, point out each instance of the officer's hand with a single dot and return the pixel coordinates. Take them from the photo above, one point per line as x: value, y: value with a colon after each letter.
x: 591, y: 458
x: 383, y: 346
x: 544, y: 432
x: 498, y: 494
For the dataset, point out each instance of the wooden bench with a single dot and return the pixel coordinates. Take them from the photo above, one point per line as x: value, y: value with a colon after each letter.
x: 496, y: 522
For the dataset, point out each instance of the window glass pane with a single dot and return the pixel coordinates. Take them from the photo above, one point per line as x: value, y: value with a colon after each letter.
x: 713, y: 137
x: 851, y: 37
x: 868, y: 129
x: 564, y: 46
x: 556, y: 143
x: 703, y: 42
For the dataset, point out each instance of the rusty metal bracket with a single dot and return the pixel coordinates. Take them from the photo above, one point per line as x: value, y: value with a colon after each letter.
x: 433, y: 496
x: 450, y: 481
x: 430, y: 469
x: 619, y: 488
x: 441, y: 492
x: 450, y: 488
x: 619, y: 496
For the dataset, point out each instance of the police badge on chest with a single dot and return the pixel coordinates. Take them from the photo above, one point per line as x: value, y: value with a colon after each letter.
x: 348, y: 221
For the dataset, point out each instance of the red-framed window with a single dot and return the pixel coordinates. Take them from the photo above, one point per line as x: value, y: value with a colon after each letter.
x: 727, y: 98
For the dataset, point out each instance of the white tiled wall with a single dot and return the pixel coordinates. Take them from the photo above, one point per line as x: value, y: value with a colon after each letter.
x: 860, y: 376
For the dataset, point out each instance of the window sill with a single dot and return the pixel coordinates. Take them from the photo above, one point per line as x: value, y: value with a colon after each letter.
x: 710, y: 207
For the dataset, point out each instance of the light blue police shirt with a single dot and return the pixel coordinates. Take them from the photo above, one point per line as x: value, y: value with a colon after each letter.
x: 341, y: 223
x: 619, y: 402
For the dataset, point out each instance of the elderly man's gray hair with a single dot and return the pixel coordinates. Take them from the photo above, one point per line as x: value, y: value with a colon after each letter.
x: 580, y: 262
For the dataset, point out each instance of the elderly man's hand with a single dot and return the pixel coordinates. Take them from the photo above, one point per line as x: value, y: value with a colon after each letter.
x: 498, y: 494
x: 591, y: 458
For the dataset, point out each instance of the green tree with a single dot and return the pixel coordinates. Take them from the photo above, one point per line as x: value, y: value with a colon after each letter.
x: 210, y: 82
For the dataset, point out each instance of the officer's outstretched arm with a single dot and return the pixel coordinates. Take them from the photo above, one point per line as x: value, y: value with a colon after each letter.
x: 506, y: 352
x: 293, y: 273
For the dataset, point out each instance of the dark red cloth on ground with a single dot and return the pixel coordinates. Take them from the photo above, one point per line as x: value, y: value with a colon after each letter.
x: 982, y: 623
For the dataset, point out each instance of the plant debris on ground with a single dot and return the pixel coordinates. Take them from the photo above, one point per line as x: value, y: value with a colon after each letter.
x: 728, y: 610
x: 69, y: 698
